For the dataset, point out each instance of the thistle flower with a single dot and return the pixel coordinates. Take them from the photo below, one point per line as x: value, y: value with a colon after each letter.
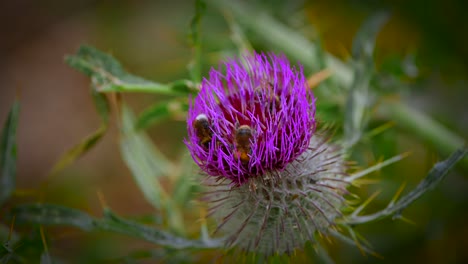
x: 274, y: 183
x: 251, y: 119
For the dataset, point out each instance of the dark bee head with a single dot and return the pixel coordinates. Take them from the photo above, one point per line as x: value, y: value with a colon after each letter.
x: 203, y: 129
x: 201, y: 121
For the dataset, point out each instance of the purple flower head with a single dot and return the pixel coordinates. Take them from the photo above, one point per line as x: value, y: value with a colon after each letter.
x: 252, y: 117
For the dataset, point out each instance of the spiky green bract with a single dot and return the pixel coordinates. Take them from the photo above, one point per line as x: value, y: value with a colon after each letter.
x: 280, y: 211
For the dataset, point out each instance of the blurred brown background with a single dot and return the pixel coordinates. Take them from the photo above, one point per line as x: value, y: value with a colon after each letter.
x: 57, y: 110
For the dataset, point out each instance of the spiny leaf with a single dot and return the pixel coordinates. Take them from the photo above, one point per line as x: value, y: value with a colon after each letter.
x: 107, y: 75
x: 8, y: 154
x: 148, y: 165
x: 434, y: 177
x: 376, y: 167
x: 186, y: 185
x: 366, y: 203
x: 49, y: 214
x: 115, y: 223
x: 53, y: 215
x: 102, y: 106
x: 358, y: 98
x: 364, y: 41
x: 77, y: 151
x: 144, y: 160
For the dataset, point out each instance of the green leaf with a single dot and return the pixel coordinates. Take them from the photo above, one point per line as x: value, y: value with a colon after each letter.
x: 358, y: 97
x: 78, y: 150
x: 49, y: 214
x: 161, y: 111
x: 195, y: 65
x: 53, y: 215
x: 364, y: 41
x: 186, y: 185
x: 8, y: 154
x: 102, y: 106
x: 107, y: 75
x: 117, y: 224
x: 144, y: 160
x: 435, y: 176
x: 148, y: 165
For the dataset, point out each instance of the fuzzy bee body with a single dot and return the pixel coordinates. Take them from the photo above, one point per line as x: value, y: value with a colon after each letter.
x: 243, y: 135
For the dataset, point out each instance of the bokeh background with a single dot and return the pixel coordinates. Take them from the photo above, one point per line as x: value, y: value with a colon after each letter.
x: 150, y: 39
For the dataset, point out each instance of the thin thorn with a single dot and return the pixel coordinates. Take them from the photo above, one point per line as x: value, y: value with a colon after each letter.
x: 12, y: 226
x: 397, y: 194
x: 367, y: 202
x: 102, y: 200
x: 46, y: 249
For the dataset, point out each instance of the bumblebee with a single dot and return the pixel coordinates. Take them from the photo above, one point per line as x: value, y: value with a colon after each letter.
x: 243, y: 135
x: 203, y: 130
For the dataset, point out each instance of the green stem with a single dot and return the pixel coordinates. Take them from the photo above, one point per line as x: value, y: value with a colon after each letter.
x: 425, y: 128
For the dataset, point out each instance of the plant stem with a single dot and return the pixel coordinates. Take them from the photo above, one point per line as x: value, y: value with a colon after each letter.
x: 425, y: 128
